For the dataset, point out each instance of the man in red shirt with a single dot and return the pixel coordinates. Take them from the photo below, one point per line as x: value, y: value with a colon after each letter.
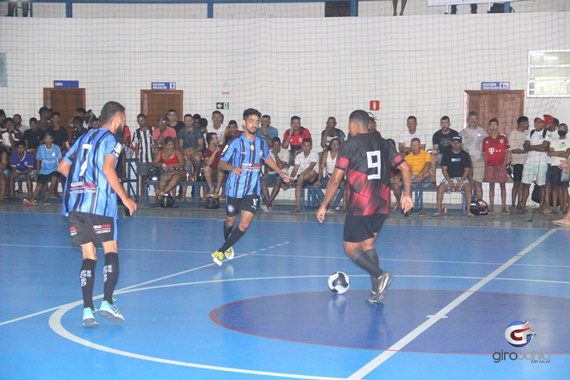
x: 495, y: 150
x: 294, y: 137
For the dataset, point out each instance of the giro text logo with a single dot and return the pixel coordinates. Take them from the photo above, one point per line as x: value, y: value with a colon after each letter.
x: 519, y: 333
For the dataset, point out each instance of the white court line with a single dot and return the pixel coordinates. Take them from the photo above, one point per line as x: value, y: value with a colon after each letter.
x: 442, y: 314
x: 118, y: 291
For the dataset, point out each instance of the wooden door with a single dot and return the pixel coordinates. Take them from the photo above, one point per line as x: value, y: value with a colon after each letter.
x: 504, y: 105
x: 157, y: 102
x: 65, y: 101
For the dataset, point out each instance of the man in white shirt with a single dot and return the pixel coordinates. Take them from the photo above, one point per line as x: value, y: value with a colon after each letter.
x: 406, y: 137
x: 305, y: 170
x: 537, y: 145
x: 473, y: 136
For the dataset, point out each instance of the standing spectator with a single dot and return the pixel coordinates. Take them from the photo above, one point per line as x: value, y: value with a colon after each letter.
x: 294, y: 138
x: 142, y: 140
x: 420, y: 164
x: 518, y: 157
x: 60, y: 136
x: 536, y: 164
x: 266, y: 131
x: 172, y: 120
x: 22, y: 164
x: 331, y: 132
x: 78, y: 129
x: 18, y: 124
x: 47, y: 159
x: 281, y: 158
x: 366, y: 160
x: 395, y: 6
x: 212, y: 156
x: 495, y: 148
x: 455, y: 168
x: 90, y: 201
x: 564, y: 222
x: 405, y: 138
x: 473, y: 9
x: 473, y: 137
x: 218, y: 125
x: 162, y: 132
x: 243, y: 186
x: 441, y: 144
x: 13, y: 5
x: 34, y: 136
x: 45, y: 118
x: 559, y: 152
x: 304, y: 171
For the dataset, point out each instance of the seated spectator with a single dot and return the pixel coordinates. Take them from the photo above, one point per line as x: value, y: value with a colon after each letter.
x: 331, y: 132
x: 18, y: 124
x: 34, y: 136
x: 10, y: 136
x: 441, y: 144
x: 172, y: 120
x: 60, y: 136
x: 203, y: 126
x: 231, y: 132
x: 47, y: 159
x: 271, y: 178
x: 326, y: 168
x: 304, y: 171
x: 212, y: 157
x: 559, y: 152
x: 4, y: 173
x: 44, y: 123
x: 161, y: 133
x: 294, y: 138
x: 266, y: 131
x: 191, y: 143
x: 217, y: 125
x: 420, y: 163
x: 171, y: 161
x: 94, y: 123
x: 495, y: 148
x: 455, y: 168
x: 142, y: 140
x: 22, y: 163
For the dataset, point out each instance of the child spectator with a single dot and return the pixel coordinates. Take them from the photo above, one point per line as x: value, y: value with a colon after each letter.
x: 34, y: 136
x: 22, y: 164
x: 142, y: 140
x: 48, y: 158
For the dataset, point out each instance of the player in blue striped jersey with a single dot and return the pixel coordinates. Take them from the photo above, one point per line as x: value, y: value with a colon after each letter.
x: 90, y: 201
x: 242, y: 157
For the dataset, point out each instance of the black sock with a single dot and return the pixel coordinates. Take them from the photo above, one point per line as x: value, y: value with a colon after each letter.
x: 234, y: 237
x: 371, y: 253
x: 227, y: 231
x: 111, y: 273
x: 87, y: 278
x: 365, y: 261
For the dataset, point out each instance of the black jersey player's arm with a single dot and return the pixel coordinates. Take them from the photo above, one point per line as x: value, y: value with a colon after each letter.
x: 332, y: 186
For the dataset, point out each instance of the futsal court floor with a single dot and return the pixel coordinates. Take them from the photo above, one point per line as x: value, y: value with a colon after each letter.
x: 459, y: 283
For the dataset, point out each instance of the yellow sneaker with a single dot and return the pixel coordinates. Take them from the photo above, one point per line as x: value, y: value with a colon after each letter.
x: 218, y: 257
x: 229, y: 253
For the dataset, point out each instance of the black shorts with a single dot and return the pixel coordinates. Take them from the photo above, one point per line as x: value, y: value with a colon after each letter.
x: 360, y: 228
x: 45, y: 178
x: 247, y: 203
x: 555, y: 178
x: 517, y: 172
x: 90, y: 228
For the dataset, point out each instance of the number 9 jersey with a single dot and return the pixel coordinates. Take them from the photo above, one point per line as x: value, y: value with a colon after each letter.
x: 86, y: 188
x: 367, y: 160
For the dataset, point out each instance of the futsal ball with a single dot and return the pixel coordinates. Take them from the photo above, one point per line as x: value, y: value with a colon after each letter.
x: 338, y: 282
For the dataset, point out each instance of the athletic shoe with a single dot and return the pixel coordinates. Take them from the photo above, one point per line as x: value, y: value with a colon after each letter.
x: 229, y: 253
x: 218, y: 257
x: 384, y: 283
x: 27, y: 202
x: 111, y: 311
x: 89, y: 318
x: 372, y: 297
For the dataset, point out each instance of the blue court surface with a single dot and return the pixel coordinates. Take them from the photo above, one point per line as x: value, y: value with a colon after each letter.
x: 268, y: 313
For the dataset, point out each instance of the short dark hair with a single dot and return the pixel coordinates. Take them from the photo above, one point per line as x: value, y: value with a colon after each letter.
x: 78, y: 119
x: 521, y: 119
x: 216, y: 112
x: 472, y: 113
x: 33, y: 120
x: 444, y: 118
x: 361, y: 118
x: 308, y: 140
x: 251, y: 111
x: 416, y: 139
x: 196, y: 116
x: 494, y: 120
x: 55, y: 113
x: 172, y: 110
x: 210, y: 137
x: 80, y: 109
x: 188, y: 115
x: 232, y: 122
x: 141, y: 115
x: 203, y: 122
x: 2, y: 112
x: 109, y: 110
x: 412, y: 117
x: 276, y: 139
x: 267, y: 116
x: 295, y: 118
x: 21, y: 142
x: 169, y: 140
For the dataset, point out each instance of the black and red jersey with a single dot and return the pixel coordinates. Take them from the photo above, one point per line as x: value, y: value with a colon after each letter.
x: 367, y: 160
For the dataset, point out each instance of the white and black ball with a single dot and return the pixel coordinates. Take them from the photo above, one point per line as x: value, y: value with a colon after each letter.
x: 338, y: 282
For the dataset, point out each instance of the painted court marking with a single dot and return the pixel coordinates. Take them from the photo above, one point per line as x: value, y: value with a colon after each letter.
x: 396, y: 347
